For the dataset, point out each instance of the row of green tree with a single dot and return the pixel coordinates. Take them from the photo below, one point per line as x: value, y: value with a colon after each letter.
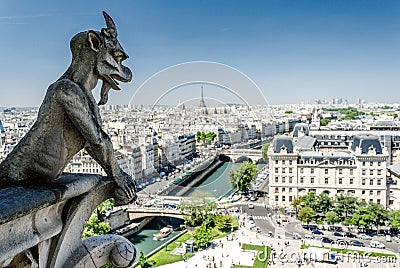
x: 344, y: 209
x: 205, y: 137
x: 349, y: 113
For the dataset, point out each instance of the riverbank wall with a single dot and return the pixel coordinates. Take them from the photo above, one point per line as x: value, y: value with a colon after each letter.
x: 195, y: 177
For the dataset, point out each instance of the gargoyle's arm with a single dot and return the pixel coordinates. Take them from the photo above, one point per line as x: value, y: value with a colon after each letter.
x: 98, y: 144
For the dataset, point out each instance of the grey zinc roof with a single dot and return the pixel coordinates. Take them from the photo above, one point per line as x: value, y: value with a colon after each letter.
x: 395, y: 169
x: 283, y: 141
x: 301, y: 127
x: 306, y: 142
x: 320, y: 156
x: 365, y: 143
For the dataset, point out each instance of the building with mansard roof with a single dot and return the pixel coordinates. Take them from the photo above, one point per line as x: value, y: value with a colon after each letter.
x: 295, y: 170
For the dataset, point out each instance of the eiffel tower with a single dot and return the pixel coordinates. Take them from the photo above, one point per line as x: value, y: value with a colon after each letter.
x: 202, y: 103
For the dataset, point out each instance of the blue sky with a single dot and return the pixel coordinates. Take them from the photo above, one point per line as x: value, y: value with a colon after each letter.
x: 295, y: 51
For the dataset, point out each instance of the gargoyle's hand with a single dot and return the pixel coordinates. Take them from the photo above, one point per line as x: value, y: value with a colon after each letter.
x: 125, y: 191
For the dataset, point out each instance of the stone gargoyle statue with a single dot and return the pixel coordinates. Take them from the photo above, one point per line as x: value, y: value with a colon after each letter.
x: 69, y: 118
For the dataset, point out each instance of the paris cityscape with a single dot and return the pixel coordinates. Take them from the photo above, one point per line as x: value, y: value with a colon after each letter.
x: 229, y: 134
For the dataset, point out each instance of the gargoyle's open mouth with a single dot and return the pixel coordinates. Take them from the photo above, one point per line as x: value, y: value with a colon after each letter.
x: 111, y: 81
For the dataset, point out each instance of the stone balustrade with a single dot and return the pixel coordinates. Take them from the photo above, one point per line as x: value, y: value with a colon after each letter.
x: 42, y: 226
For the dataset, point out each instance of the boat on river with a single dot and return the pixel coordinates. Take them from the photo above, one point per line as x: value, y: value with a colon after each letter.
x: 164, y: 232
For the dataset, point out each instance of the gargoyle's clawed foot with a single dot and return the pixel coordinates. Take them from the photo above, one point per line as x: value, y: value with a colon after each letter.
x: 125, y: 192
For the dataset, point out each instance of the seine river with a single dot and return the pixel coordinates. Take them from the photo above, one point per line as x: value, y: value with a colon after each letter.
x: 217, y: 184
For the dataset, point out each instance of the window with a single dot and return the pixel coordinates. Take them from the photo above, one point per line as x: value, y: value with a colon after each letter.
x: 326, y: 180
x: 371, y: 182
x: 363, y: 172
x: 379, y: 164
x: 326, y: 171
x: 276, y: 162
x: 379, y: 182
x: 363, y: 181
x: 312, y: 180
x: 290, y: 179
x: 301, y: 170
x: 290, y: 190
x: 378, y: 192
x: 301, y: 180
x: 283, y: 198
x: 340, y: 171
x: 283, y: 179
x: 276, y: 198
x: 283, y: 162
x: 276, y: 190
x: 371, y: 192
x: 363, y: 164
x: 283, y: 170
x: 351, y: 181
x: 290, y: 162
x: 379, y: 172
x: 371, y: 172
x: 351, y: 172
x: 378, y: 201
x: 312, y: 170
x: 363, y: 192
x: 276, y: 179
x: 290, y: 198
x: 276, y: 170
x: 340, y: 180
x: 283, y: 189
x: 371, y: 164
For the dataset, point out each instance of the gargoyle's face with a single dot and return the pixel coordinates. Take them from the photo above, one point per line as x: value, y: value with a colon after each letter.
x: 109, y: 58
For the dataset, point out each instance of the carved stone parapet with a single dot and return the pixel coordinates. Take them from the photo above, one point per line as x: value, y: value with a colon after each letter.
x: 42, y: 227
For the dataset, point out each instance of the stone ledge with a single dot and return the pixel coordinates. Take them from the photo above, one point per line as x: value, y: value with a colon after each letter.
x: 16, y: 202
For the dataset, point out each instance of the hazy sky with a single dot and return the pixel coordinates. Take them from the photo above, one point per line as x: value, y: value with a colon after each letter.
x: 295, y: 51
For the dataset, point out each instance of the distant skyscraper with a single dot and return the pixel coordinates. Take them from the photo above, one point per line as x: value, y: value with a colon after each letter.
x: 202, y: 103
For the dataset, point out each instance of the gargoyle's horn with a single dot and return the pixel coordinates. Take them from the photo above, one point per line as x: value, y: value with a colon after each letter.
x: 112, y: 30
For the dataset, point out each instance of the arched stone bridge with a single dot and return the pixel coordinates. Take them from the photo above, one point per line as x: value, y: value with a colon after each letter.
x: 241, y: 155
x: 143, y: 212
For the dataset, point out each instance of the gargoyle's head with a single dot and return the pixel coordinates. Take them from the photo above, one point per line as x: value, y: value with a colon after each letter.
x: 105, y: 54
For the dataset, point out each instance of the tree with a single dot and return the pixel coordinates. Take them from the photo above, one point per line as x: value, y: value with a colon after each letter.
x: 242, y: 177
x: 306, y: 214
x: 345, y: 204
x: 394, y: 218
x: 223, y: 222
x: 210, y: 136
x: 197, y: 213
x: 202, y: 236
x: 143, y: 262
x: 324, y: 122
x: 379, y: 213
x: 264, y: 151
x: 362, y: 217
x: 331, y: 217
x: 96, y: 224
x: 324, y: 203
x: 296, y: 203
x: 310, y: 200
x: 95, y: 227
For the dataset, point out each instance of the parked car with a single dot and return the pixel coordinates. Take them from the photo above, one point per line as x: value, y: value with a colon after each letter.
x: 317, y: 232
x: 327, y: 240
x: 364, y: 236
x: 308, y: 236
x: 250, y: 205
x: 357, y: 243
x: 350, y: 235
x: 376, y: 244
x: 337, y: 234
